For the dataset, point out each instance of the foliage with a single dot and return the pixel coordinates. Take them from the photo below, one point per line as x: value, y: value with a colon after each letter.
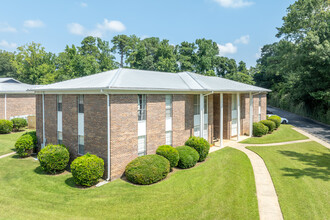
x: 19, y: 123
x: 259, y: 129
x: 270, y: 124
x: 6, y: 67
x: 87, y: 170
x: 188, y: 157
x: 24, y: 146
x: 33, y: 134
x: 147, y: 169
x: 276, y: 119
x: 53, y: 158
x: 170, y: 153
x: 6, y: 126
x: 201, y: 145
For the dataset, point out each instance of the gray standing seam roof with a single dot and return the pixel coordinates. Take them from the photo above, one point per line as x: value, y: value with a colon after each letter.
x: 10, y: 85
x: 143, y: 80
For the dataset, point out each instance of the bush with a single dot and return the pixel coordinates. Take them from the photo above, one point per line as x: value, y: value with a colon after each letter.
x: 19, y: 123
x: 147, y: 169
x: 33, y: 134
x: 170, y: 153
x: 87, y: 170
x: 6, y: 126
x: 53, y: 158
x: 259, y: 129
x: 270, y: 124
x: 201, y: 145
x: 188, y: 157
x: 276, y: 119
x: 24, y: 146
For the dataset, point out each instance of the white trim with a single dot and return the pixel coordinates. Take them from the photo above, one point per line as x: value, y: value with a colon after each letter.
x: 5, y: 106
x: 251, y: 115
x: 221, y: 120
x: 43, y: 122
x: 238, y: 116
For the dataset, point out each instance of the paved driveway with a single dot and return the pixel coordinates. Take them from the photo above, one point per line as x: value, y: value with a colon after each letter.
x: 321, y: 131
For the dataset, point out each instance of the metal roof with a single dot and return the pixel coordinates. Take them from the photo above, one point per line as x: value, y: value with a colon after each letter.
x: 10, y: 85
x: 143, y: 80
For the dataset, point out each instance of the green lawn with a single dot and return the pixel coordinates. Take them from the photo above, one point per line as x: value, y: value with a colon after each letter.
x: 283, y: 134
x: 7, y: 142
x: 301, y: 175
x: 221, y: 188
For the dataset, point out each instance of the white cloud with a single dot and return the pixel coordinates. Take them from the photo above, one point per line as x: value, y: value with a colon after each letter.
x: 234, y: 3
x: 7, y: 45
x: 115, y: 26
x: 258, y: 54
x: 83, y: 4
x: 75, y: 28
x: 227, y: 48
x: 243, y: 40
x: 100, y: 30
x: 5, y: 27
x: 33, y: 24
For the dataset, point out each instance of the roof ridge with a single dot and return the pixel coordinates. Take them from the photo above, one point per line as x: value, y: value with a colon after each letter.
x: 195, y: 80
x: 115, y: 77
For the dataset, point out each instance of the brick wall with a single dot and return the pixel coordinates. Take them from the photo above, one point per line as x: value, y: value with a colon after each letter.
x: 17, y: 104
x: 183, y: 118
x: 226, y: 116
x: 155, y: 122
x: 39, y: 118
x: 263, y: 106
x: 245, y: 114
x: 51, y: 119
x: 256, y: 106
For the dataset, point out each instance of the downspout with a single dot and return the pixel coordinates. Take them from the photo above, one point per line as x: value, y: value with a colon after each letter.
x: 209, y: 93
x: 43, y: 121
x: 108, y: 132
x: 5, y: 106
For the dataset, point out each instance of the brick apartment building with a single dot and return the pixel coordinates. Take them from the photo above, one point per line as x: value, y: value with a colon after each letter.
x: 15, y: 100
x: 121, y: 114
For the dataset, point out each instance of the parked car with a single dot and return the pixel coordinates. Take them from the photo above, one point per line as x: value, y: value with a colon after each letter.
x: 269, y: 112
x: 283, y: 120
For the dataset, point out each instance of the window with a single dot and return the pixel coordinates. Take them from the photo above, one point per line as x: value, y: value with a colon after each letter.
x: 142, y: 107
x: 141, y: 145
x: 81, y: 145
x: 259, y: 108
x: 206, y: 107
x: 168, y: 137
x: 59, y: 103
x: 59, y: 120
x: 168, y: 101
x: 59, y: 137
x: 168, y: 125
x: 196, y: 105
x: 81, y: 104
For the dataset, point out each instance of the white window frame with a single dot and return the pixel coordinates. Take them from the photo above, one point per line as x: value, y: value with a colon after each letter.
x: 197, y: 120
x: 81, y: 125
x: 168, y: 119
x: 142, y: 124
x: 59, y: 105
x: 259, y: 108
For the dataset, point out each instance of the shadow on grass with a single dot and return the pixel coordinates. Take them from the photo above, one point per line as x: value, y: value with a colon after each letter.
x: 70, y: 182
x: 40, y: 171
x: 319, y: 162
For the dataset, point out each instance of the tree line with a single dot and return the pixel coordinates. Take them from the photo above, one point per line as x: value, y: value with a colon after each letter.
x: 297, y: 67
x: 31, y: 63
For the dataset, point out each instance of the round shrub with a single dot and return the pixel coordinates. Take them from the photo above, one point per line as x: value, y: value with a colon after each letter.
x: 53, y: 158
x: 270, y: 124
x: 276, y: 119
x: 188, y: 157
x: 24, y: 146
x: 201, y: 145
x: 33, y: 134
x: 87, y: 170
x: 147, y: 169
x: 259, y: 129
x: 19, y: 123
x: 6, y: 126
x: 170, y: 153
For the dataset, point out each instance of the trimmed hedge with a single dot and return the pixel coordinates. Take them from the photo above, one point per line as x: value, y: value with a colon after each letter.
x: 188, y: 157
x: 24, y: 146
x: 270, y: 124
x: 170, y: 153
x: 259, y: 129
x: 33, y: 134
x: 6, y: 126
x: 53, y: 158
x: 147, y: 169
x: 201, y: 145
x: 87, y: 170
x: 276, y: 119
x: 19, y: 123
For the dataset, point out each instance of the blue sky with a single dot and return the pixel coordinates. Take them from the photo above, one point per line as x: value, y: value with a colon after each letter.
x: 240, y: 27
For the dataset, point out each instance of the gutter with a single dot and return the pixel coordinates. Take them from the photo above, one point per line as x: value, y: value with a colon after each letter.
x: 108, y: 132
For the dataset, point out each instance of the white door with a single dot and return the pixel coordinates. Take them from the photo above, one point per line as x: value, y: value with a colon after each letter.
x: 233, y: 115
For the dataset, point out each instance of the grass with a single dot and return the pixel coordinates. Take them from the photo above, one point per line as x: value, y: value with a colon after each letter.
x: 223, y: 187
x: 301, y: 175
x: 7, y: 141
x: 283, y: 134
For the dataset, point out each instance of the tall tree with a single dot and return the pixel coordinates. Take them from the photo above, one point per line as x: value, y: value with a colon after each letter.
x: 186, y: 56
x: 122, y: 44
x: 207, y: 53
x: 6, y: 67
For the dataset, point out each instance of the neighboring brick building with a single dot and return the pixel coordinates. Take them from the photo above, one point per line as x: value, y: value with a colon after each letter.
x: 15, y: 100
x: 121, y: 114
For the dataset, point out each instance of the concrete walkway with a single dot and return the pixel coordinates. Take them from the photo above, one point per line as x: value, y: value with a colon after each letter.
x: 6, y: 155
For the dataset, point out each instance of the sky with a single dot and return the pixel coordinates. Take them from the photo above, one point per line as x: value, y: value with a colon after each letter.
x: 240, y: 27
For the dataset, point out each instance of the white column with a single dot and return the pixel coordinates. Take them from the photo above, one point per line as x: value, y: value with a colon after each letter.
x: 221, y: 120
x: 5, y: 106
x: 251, y: 115
x: 238, y: 116
x: 201, y: 108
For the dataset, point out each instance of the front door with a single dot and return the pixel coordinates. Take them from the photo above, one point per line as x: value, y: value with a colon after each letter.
x: 233, y: 114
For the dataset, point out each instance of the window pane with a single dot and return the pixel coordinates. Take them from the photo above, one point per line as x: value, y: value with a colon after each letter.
x: 81, y: 146
x: 59, y: 103
x: 141, y: 145
x: 205, y: 104
x: 81, y: 108
x: 168, y: 138
x: 142, y: 107
x: 168, y: 113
